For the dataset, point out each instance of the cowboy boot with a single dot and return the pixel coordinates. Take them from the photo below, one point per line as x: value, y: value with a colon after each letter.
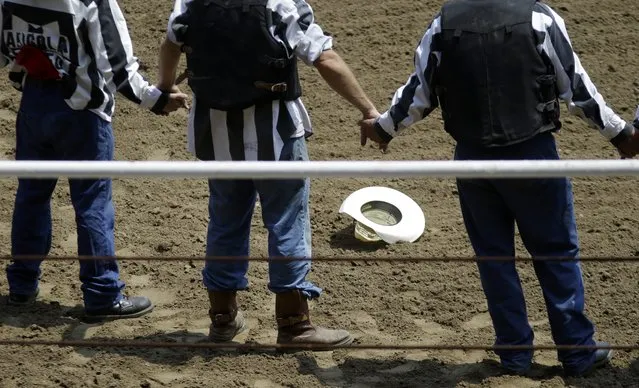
x: 226, y: 320
x: 295, y: 327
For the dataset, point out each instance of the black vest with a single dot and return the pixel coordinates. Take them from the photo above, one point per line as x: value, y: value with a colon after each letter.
x: 233, y: 61
x: 494, y: 87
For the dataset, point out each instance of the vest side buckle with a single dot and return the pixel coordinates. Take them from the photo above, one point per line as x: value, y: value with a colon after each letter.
x: 549, y: 106
x: 281, y: 87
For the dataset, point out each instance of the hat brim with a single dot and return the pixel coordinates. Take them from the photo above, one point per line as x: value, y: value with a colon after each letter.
x: 410, y: 227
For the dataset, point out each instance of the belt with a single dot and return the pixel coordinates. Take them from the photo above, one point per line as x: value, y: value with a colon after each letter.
x: 43, y: 83
x: 281, y: 87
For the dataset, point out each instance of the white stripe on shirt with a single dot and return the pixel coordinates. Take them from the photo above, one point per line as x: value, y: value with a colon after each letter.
x: 278, y: 142
x: 250, y: 135
x: 220, y: 133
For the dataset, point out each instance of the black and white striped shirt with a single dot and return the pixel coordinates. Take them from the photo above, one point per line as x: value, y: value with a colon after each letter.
x: 86, y: 40
x: 256, y: 133
x: 416, y: 99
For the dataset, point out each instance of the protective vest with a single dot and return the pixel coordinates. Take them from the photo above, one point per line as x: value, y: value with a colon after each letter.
x: 233, y: 60
x: 493, y: 85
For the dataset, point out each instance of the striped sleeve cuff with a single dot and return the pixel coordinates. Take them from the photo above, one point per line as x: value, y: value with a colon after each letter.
x: 386, y: 126
x: 614, y: 126
x: 386, y: 138
x: 313, y: 44
x: 150, y: 97
x: 625, y: 134
x: 158, y: 107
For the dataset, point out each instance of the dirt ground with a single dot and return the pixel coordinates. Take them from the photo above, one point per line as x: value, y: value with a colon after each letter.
x: 381, y: 303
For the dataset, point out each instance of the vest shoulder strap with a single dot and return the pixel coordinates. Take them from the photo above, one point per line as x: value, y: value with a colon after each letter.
x: 484, y: 16
x: 228, y: 4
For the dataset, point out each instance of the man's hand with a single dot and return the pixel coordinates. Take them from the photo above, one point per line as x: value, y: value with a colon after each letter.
x: 176, y: 101
x: 629, y: 147
x: 368, y: 131
x: 174, y: 91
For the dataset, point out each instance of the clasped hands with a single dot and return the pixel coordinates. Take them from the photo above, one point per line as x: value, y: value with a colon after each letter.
x: 176, y: 100
x: 368, y: 130
x: 629, y: 147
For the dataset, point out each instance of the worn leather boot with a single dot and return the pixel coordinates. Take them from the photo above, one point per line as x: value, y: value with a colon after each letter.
x: 294, y: 324
x: 226, y: 320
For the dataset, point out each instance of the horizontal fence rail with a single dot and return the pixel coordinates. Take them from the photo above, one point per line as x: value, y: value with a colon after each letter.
x: 317, y: 169
x: 345, y: 259
x: 256, y: 346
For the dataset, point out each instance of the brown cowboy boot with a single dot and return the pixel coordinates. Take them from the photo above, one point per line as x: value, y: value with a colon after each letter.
x: 226, y: 320
x: 294, y: 324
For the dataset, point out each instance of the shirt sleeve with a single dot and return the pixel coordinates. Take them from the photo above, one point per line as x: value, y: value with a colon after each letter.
x: 574, y: 85
x: 294, y: 25
x: 175, y: 28
x: 416, y: 99
x: 113, y: 52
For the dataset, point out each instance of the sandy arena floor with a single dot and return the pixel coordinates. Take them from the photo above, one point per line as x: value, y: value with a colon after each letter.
x: 381, y: 303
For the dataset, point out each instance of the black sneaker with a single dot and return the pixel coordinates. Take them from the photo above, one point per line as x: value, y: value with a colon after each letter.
x: 602, y: 358
x: 132, y: 307
x: 22, y: 299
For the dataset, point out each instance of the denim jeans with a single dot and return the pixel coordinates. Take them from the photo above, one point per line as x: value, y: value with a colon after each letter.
x: 543, y: 211
x: 47, y: 129
x: 285, y: 214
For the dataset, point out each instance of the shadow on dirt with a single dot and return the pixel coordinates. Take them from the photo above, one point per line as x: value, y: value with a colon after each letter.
x: 38, y: 314
x: 346, y: 370
x: 371, y: 372
x: 345, y: 239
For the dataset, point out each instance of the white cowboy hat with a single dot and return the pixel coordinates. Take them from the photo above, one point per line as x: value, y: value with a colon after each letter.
x: 382, y: 213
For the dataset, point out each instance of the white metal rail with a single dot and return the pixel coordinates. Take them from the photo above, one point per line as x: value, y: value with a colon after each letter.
x: 317, y: 169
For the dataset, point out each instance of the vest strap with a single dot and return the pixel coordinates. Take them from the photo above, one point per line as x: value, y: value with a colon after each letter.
x: 280, y: 87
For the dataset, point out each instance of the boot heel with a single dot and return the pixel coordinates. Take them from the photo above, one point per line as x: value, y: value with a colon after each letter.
x: 295, y: 327
x: 226, y: 320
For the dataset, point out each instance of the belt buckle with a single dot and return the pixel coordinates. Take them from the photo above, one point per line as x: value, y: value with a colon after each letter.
x: 279, y: 88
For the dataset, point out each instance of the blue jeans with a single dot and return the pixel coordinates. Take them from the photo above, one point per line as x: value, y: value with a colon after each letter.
x: 543, y: 211
x: 47, y: 129
x: 286, y: 216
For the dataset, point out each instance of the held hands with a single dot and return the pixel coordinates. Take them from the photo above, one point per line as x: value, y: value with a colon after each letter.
x: 176, y: 99
x: 368, y: 131
x: 629, y: 148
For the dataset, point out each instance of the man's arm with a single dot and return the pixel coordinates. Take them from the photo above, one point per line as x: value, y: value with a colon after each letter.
x: 341, y: 79
x: 171, y: 48
x: 169, y: 60
x: 113, y: 50
x: 416, y: 99
x: 574, y: 84
x: 299, y: 32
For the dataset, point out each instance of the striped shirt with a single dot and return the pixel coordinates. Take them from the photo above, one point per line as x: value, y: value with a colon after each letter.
x: 87, y: 41
x: 417, y: 98
x: 258, y: 132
